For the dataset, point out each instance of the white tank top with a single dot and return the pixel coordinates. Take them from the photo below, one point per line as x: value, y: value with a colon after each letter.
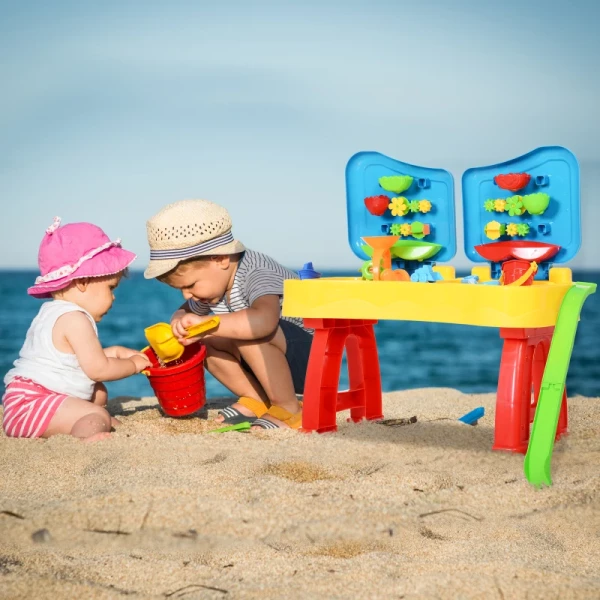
x: 40, y: 361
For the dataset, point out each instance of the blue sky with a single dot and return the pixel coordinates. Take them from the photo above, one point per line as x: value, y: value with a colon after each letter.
x: 110, y: 110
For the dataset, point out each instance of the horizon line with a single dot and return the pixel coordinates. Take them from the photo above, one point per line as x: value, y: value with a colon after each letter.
x: 469, y: 265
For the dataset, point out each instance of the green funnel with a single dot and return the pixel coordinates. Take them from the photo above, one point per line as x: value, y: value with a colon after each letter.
x: 409, y: 250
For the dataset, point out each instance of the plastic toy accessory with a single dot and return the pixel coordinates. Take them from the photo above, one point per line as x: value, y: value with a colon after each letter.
x: 377, y: 205
x: 538, y: 460
x: 514, y: 206
x: 165, y: 344
x: 512, y: 181
x: 425, y: 274
x: 399, y: 206
x: 494, y: 230
x: 536, y: 204
x: 179, y: 387
x: 471, y: 279
x: 472, y: 417
x: 500, y: 251
x: 396, y: 183
x: 382, y: 258
x: 424, y: 206
x: 518, y: 272
x: 308, y: 272
x: 238, y: 427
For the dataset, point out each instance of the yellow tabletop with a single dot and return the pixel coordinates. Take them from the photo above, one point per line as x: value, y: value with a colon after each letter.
x: 448, y: 301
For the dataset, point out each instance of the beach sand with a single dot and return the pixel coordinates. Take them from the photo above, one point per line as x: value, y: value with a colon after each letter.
x: 427, y: 510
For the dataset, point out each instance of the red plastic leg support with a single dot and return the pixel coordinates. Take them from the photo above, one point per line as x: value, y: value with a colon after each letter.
x: 322, y: 400
x: 521, y: 369
x: 356, y: 376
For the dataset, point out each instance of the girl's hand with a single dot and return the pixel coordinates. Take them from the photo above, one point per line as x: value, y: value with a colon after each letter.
x: 140, y: 361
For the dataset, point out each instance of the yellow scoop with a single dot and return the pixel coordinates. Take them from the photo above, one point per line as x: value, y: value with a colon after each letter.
x: 165, y: 344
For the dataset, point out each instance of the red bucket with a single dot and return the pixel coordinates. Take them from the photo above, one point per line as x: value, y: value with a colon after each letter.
x: 513, y: 269
x: 179, y: 386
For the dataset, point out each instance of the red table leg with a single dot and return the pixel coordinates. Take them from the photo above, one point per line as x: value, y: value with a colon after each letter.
x: 322, y: 400
x: 521, y: 368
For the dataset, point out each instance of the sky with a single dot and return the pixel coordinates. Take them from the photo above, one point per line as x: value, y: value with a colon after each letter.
x: 110, y: 110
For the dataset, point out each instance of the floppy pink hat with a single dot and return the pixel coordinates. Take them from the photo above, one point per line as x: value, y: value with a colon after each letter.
x: 75, y: 251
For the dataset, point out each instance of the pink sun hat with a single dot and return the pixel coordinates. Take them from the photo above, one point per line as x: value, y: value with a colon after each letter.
x: 75, y: 251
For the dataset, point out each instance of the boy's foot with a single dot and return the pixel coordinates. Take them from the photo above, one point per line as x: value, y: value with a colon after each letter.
x: 245, y: 409
x: 279, y: 418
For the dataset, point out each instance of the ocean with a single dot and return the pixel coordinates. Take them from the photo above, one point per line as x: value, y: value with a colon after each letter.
x: 412, y: 355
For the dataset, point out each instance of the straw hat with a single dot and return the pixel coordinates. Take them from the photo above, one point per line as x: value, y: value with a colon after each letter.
x: 187, y: 229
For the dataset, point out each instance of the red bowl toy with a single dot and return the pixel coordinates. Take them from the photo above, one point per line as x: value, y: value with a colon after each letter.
x: 518, y: 249
x: 179, y: 385
x: 512, y: 181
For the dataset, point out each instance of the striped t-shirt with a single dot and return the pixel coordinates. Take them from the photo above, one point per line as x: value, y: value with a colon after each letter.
x: 257, y: 275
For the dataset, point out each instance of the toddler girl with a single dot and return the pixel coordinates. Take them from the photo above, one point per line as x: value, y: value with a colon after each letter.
x: 55, y: 384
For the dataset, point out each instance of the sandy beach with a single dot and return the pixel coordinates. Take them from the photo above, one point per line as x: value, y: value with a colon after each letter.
x: 164, y: 509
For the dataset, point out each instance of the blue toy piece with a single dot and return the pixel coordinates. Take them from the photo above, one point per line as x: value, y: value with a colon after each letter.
x: 472, y: 417
x: 363, y: 172
x: 554, y: 170
x: 425, y: 274
x: 308, y: 272
x: 470, y: 279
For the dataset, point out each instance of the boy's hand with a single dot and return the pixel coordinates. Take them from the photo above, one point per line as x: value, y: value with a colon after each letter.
x: 140, y: 361
x: 176, y: 327
x: 180, y: 326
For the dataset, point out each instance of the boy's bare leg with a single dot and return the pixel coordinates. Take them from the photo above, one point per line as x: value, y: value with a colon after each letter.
x: 100, y: 398
x: 223, y: 363
x: 269, y: 364
x: 81, y: 419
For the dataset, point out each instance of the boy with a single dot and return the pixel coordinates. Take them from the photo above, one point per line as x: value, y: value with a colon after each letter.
x: 256, y: 353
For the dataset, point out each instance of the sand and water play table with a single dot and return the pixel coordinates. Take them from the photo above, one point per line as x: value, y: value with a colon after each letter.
x: 343, y: 310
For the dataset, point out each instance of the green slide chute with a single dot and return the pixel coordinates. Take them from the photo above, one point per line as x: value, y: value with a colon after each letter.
x: 539, y: 454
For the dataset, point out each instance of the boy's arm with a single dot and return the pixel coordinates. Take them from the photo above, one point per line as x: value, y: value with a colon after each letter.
x: 81, y: 337
x: 259, y: 321
x: 263, y: 288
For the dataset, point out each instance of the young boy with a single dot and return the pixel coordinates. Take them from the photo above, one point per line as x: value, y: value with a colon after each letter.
x: 256, y: 353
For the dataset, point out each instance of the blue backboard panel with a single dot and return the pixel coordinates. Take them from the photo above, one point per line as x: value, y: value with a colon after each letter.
x: 363, y: 172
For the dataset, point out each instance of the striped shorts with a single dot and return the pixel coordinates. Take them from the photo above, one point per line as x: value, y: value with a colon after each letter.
x: 28, y: 408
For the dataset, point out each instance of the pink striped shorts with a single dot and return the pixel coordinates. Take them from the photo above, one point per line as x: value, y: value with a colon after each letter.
x: 28, y: 408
